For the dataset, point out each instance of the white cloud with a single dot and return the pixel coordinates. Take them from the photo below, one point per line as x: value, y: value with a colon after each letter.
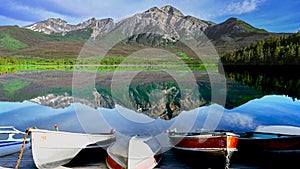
x: 218, y: 9
x: 94, y: 8
x: 239, y: 120
x: 244, y: 6
x: 75, y: 11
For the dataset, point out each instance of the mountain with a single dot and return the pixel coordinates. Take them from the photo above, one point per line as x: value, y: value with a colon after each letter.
x: 169, y: 20
x: 59, y: 26
x: 52, y: 25
x: 234, y: 34
x: 231, y: 28
x: 54, y: 39
x: 26, y: 44
x: 59, y: 39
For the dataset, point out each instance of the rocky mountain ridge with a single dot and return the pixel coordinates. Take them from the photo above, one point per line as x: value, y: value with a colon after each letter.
x: 169, y: 19
x: 59, y: 26
x: 232, y: 27
x: 170, y: 23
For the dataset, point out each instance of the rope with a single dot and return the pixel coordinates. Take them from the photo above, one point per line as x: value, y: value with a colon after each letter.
x: 22, y: 149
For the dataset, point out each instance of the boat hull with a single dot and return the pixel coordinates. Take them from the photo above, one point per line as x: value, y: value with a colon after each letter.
x: 12, y: 142
x: 112, y: 164
x: 139, y: 154
x: 147, y: 164
x: 51, y: 149
x: 10, y: 147
x: 215, y: 147
x: 274, y: 143
x: 220, y: 144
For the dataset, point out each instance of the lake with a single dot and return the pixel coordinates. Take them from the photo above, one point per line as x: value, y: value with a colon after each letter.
x: 271, y: 109
x: 256, y: 106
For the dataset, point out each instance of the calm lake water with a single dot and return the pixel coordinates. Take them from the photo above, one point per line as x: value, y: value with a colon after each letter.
x: 271, y: 109
x: 275, y: 108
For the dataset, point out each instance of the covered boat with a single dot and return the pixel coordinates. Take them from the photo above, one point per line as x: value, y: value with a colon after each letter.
x: 51, y: 149
x: 274, y: 138
x: 271, y: 146
x: 139, y: 152
x: 11, y: 140
x: 217, y: 143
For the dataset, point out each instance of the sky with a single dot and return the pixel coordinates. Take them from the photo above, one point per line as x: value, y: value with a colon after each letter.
x: 271, y: 15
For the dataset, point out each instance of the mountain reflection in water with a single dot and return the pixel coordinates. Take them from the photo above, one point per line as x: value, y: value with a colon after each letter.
x: 271, y: 109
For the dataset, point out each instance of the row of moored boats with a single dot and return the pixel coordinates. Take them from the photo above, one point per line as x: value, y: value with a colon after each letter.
x: 51, y: 149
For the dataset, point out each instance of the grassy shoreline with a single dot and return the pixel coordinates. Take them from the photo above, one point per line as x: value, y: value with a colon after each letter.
x: 103, y: 67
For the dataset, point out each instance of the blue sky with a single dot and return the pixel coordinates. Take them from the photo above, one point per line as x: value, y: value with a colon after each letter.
x: 272, y: 15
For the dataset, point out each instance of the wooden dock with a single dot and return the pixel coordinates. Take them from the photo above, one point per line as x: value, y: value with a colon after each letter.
x: 11, y: 160
x: 96, y: 160
x: 79, y: 162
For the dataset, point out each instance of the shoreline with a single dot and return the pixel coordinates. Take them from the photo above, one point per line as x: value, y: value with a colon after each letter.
x: 85, y: 160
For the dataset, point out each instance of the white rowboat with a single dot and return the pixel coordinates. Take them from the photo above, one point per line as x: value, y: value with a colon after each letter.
x: 139, y: 153
x: 51, y: 149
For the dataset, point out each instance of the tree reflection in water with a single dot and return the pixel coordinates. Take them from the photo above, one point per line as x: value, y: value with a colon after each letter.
x: 280, y: 80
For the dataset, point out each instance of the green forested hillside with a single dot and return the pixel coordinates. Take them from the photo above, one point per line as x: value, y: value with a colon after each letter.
x: 19, y: 43
x: 272, y: 51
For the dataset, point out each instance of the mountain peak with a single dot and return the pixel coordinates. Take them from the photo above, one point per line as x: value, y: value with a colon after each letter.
x: 232, y: 27
x: 51, y: 25
x: 153, y: 9
x: 56, y: 20
x: 242, y: 26
x: 171, y: 10
x: 232, y: 19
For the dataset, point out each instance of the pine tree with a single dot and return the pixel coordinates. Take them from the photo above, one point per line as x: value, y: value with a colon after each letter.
x: 283, y: 50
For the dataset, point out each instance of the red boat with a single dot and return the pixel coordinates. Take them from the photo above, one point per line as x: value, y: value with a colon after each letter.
x: 137, y: 153
x: 215, y: 143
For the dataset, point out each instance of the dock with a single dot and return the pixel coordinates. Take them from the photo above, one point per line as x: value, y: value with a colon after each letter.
x: 79, y: 162
x: 11, y: 160
x: 96, y: 160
